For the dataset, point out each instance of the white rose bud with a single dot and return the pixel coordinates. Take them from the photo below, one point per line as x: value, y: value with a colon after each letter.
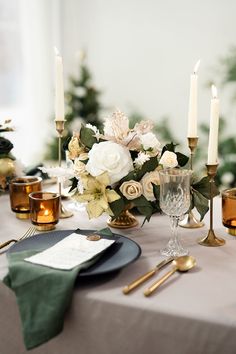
x: 149, y: 141
x: 131, y: 189
x: 169, y: 160
x: 109, y: 157
x: 146, y: 181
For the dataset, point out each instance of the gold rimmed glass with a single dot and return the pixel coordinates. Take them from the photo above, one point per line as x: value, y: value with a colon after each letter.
x: 229, y: 210
x: 44, y: 209
x: 20, y: 188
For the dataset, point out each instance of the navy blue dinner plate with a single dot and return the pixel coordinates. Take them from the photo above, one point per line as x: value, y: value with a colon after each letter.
x: 123, y: 252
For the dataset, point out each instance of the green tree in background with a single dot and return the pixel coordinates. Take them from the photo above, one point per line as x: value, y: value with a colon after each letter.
x: 83, y: 106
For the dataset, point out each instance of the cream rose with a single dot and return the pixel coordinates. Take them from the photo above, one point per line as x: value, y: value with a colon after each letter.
x: 169, y: 159
x: 109, y: 157
x: 146, y: 181
x: 131, y: 189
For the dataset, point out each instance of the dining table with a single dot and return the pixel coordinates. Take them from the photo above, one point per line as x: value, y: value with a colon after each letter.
x: 191, y: 313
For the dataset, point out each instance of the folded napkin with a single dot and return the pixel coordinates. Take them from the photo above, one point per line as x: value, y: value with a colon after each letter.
x: 43, y: 294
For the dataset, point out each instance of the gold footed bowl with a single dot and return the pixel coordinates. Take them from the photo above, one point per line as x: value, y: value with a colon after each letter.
x: 125, y: 220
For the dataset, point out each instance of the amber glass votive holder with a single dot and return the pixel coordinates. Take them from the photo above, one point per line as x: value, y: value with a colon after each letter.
x: 20, y: 188
x: 44, y: 209
x: 229, y: 210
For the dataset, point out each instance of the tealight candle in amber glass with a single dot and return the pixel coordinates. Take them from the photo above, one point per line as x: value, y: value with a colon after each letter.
x: 44, y: 209
x: 229, y: 210
x: 20, y: 188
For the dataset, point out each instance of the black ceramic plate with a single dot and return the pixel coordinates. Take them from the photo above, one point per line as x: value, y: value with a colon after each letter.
x: 117, y: 256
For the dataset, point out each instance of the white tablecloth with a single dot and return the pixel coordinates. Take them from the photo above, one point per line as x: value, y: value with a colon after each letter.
x: 193, y: 313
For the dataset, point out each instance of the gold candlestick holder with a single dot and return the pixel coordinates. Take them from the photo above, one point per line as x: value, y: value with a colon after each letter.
x: 190, y: 221
x: 60, y: 128
x: 211, y: 240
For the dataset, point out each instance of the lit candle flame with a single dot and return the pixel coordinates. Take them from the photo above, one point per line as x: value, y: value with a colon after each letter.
x: 213, y: 91
x: 196, y: 67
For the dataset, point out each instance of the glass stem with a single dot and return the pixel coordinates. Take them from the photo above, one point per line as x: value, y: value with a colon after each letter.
x: 174, y: 221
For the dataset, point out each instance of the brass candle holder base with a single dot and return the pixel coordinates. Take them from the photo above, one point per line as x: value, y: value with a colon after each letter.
x: 64, y: 213
x: 211, y: 240
x: 126, y: 220
x: 191, y: 222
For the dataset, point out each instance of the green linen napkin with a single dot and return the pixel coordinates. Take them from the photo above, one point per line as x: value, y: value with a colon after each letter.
x: 43, y: 294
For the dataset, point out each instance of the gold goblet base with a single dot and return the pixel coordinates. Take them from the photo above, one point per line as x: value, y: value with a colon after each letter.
x: 190, y: 222
x: 126, y: 220
x: 211, y: 240
x: 23, y: 216
x: 231, y: 232
x: 45, y: 227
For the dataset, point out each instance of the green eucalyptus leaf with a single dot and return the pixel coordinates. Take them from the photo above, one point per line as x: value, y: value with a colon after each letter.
x: 87, y: 137
x: 203, y: 187
x: 74, y: 184
x: 117, y: 207
x: 156, y: 191
x: 182, y: 159
x: 148, y: 166
x: 200, y: 203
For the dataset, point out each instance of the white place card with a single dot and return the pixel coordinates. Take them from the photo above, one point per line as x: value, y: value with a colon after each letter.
x: 72, y: 251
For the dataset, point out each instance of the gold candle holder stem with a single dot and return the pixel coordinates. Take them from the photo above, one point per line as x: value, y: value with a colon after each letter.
x: 60, y: 124
x: 211, y: 240
x: 190, y: 221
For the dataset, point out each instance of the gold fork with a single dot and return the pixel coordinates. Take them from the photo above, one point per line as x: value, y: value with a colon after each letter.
x: 30, y: 232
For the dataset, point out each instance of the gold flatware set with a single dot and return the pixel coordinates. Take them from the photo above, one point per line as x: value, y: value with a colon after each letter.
x: 182, y: 264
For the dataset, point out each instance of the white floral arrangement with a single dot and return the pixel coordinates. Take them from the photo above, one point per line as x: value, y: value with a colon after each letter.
x: 119, y: 167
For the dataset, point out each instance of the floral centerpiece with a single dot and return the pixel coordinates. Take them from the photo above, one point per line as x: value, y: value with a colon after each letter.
x: 118, y: 168
x: 9, y: 167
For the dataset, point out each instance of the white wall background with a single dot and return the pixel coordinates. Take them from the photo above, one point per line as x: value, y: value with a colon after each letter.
x: 143, y: 51
x: 140, y: 52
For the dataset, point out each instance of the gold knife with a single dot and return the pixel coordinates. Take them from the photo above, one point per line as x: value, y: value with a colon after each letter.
x: 146, y: 276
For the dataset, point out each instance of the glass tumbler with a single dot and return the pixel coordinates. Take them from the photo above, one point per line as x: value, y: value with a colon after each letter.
x: 44, y: 209
x: 20, y: 188
x: 229, y: 210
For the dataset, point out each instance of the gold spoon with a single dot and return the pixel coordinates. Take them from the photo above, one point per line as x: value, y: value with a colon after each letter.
x: 182, y: 264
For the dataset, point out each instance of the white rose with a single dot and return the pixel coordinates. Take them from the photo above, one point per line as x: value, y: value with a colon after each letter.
x: 146, y: 181
x: 131, y: 189
x: 150, y: 141
x: 109, y: 157
x: 169, y: 159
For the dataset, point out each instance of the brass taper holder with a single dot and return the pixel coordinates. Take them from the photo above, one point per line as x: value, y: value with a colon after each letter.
x: 60, y: 124
x: 190, y: 221
x: 211, y: 240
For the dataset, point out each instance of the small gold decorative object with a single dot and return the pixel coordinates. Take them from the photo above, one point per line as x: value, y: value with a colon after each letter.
x: 44, y: 209
x: 60, y: 124
x: 20, y: 188
x: 190, y: 221
x: 93, y: 237
x: 125, y: 220
x: 211, y: 240
x: 229, y: 210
